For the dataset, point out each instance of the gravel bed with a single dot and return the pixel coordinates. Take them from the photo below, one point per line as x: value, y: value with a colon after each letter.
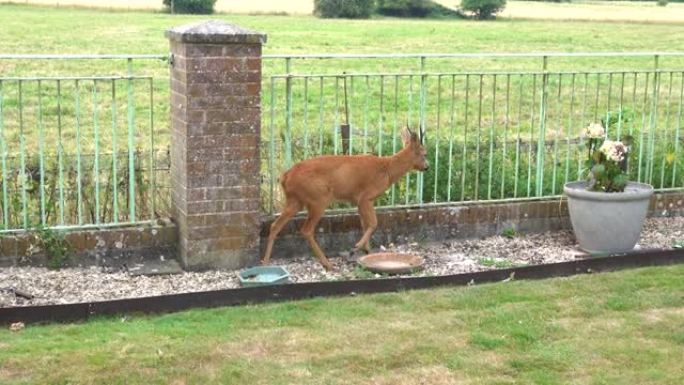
x: 90, y: 284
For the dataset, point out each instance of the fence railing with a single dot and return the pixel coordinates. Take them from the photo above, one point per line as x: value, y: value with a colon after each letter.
x: 464, y: 62
x: 80, y: 151
x: 490, y: 134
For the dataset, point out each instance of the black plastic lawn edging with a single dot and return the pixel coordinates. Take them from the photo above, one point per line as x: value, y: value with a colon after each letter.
x: 294, y: 291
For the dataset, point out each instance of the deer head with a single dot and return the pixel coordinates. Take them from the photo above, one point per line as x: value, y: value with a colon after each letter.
x: 413, y: 144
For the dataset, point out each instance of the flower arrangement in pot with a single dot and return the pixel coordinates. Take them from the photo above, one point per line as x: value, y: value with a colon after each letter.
x: 607, y: 211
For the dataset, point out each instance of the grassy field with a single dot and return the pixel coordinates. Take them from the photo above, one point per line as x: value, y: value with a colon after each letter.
x: 635, y: 11
x: 59, y: 30
x: 614, y: 328
x: 483, y: 132
x: 629, y: 11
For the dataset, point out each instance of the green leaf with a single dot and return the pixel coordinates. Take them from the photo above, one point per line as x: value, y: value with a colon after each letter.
x: 627, y: 140
x: 620, y: 182
x: 598, y: 170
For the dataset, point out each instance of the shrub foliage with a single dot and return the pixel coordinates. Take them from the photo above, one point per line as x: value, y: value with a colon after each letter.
x: 404, y: 8
x: 350, y: 9
x: 413, y: 8
x: 483, y: 9
x: 198, y: 7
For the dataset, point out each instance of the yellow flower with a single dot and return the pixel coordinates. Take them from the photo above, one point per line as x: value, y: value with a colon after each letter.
x: 669, y: 158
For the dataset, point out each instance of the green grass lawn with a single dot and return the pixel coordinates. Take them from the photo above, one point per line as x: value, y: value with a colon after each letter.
x: 65, y: 30
x: 614, y: 328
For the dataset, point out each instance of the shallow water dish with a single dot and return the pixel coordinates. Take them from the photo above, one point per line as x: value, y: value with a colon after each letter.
x: 392, y: 263
x: 263, y: 275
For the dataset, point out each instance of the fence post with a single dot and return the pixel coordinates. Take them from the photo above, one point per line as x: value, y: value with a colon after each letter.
x: 215, y: 134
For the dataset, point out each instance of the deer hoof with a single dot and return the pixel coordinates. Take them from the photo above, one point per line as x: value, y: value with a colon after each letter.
x: 364, y: 249
x: 349, y: 256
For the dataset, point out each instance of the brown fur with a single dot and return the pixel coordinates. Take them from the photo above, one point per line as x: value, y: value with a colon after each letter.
x: 358, y: 179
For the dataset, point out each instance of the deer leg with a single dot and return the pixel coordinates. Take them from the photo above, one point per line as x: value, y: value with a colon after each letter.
x: 288, y: 212
x: 369, y: 222
x: 363, y: 231
x: 308, y: 231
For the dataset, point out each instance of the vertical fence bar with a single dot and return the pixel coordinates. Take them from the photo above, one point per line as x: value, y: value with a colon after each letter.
x: 653, y: 123
x: 633, y: 120
x: 531, y: 140
x: 505, y: 136
x: 451, y: 135
x: 478, y: 139
x: 465, y: 138
x: 667, y: 128
x: 365, y: 118
x: 570, y: 130
x: 584, y: 122
x: 421, y: 128
x: 382, y: 115
x: 643, y: 126
x: 610, y: 89
x: 131, y: 149
x: 153, y: 184
x: 517, y: 136
x: 437, y: 132
x: 348, y: 112
x: 677, y: 128
x: 394, y: 129
x: 554, y: 172
x: 96, y: 162
x: 306, y: 117
x: 320, y: 116
x: 60, y: 153
x: 336, y: 122
x: 491, y: 140
x: 22, y: 172
x: 288, y: 114
x: 541, y: 143
x: 41, y: 133
x: 622, y: 94
x: 596, y: 99
x: 115, y: 155
x: 271, y: 148
x: 79, y: 183
x: 3, y: 154
x: 408, y: 123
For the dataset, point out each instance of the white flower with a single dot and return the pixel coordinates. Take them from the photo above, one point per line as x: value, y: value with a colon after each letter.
x: 594, y: 131
x: 613, y: 150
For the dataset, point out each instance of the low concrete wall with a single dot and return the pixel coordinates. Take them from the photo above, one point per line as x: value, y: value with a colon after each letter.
x: 107, y: 246
x: 471, y: 220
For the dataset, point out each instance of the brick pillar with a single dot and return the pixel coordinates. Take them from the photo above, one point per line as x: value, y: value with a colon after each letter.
x: 215, y: 132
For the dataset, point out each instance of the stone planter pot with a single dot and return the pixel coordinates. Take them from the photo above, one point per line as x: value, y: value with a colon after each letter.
x: 607, y: 222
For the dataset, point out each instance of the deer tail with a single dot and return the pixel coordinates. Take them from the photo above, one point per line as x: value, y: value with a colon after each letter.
x: 283, y: 179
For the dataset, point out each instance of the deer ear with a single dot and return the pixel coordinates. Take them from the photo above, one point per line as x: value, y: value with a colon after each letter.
x: 406, y: 136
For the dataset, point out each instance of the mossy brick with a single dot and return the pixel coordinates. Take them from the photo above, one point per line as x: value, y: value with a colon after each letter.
x: 8, y: 246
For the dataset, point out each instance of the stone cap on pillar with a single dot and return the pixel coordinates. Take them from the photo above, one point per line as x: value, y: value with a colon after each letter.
x: 214, y: 32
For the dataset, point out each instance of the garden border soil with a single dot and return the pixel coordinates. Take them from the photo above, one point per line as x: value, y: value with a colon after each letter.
x: 295, y: 291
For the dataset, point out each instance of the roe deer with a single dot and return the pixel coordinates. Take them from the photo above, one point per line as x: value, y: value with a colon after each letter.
x: 359, y: 179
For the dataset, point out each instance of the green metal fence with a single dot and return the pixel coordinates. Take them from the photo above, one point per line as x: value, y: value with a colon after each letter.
x: 491, y: 135
x: 78, y: 151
